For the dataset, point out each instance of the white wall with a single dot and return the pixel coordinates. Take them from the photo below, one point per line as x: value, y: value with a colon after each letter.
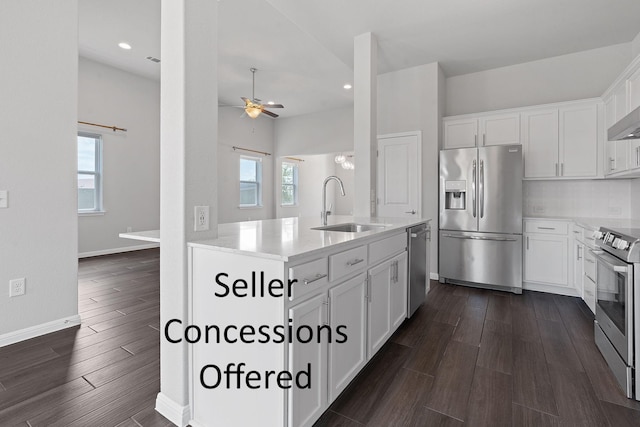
x: 38, y: 107
x: 409, y: 100
x: 236, y: 129
x: 343, y: 205
x: 131, y: 160
x: 563, y: 78
x: 318, y: 133
x: 580, y: 198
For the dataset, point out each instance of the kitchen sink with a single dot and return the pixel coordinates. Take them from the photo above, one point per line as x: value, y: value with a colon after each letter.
x: 350, y: 227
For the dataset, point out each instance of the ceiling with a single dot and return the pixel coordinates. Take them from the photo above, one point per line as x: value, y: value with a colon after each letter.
x: 303, y: 49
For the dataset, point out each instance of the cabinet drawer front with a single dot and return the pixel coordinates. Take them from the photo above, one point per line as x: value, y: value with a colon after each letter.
x: 310, y: 276
x: 385, y: 248
x: 347, y: 262
x: 578, y: 233
x: 546, y: 227
x: 590, y: 265
x: 590, y: 293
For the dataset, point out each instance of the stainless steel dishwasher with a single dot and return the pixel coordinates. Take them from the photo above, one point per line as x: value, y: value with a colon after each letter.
x: 419, y: 237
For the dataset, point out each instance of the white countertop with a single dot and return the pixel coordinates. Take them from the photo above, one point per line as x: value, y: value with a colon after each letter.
x: 287, y: 238
x: 593, y: 223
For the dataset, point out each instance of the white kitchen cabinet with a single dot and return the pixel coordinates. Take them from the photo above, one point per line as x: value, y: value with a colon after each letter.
x: 577, y: 253
x: 460, y: 133
x: 308, y: 404
x: 561, y: 142
x: 546, y: 253
x: 620, y: 94
x: 540, y: 140
x: 347, y: 307
x: 379, y: 314
x: 484, y: 130
x: 634, y: 154
x: 398, y: 292
x: 578, y: 144
x: 633, y: 85
x: 499, y: 129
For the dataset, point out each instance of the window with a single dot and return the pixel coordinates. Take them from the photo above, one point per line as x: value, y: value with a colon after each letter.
x: 250, y: 182
x: 289, y: 184
x: 89, y: 172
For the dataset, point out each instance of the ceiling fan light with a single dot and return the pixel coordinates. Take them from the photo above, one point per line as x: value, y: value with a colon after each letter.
x: 340, y: 158
x: 348, y: 165
x: 253, y: 112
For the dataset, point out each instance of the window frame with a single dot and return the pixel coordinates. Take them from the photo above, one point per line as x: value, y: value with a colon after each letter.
x: 294, y: 185
x: 258, y: 182
x: 97, y: 173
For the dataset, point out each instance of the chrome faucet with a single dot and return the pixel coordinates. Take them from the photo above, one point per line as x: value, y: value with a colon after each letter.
x: 325, y: 213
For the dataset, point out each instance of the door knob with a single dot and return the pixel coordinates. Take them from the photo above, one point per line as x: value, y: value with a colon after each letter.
x: 412, y: 212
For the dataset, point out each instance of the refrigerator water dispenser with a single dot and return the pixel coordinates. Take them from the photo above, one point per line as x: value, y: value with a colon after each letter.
x: 455, y: 195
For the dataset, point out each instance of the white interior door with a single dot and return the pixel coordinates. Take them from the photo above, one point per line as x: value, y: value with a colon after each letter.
x: 399, y: 175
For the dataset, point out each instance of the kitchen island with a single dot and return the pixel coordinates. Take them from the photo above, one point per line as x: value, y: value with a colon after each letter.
x: 283, y: 316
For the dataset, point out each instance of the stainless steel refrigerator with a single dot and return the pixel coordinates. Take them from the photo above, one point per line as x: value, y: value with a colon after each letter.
x: 481, y: 217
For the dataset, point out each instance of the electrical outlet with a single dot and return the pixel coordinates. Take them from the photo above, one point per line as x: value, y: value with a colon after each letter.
x: 17, y: 287
x: 201, y: 218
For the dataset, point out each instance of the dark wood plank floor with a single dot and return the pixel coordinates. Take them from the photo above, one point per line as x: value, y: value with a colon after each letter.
x: 468, y: 356
x: 485, y: 358
x: 105, y: 372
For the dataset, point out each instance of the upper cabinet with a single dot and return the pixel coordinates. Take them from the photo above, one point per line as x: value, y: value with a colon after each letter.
x: 561, y: 142
x: 495, y: 129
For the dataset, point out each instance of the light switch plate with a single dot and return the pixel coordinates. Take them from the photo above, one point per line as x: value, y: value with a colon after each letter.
x: 4, y: 199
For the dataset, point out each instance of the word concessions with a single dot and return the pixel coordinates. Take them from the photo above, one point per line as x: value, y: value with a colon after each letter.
x: 236, y: 374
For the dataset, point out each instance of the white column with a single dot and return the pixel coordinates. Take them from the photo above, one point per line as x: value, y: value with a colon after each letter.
x: 365, y: 83
x: 188, y: 176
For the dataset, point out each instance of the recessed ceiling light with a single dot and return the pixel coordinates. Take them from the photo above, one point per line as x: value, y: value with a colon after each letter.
x: 124, y: 45
x: 347, y: 86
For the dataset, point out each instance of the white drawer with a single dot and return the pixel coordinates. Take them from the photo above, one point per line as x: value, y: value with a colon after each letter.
x: 589, y: 240
x: 546, y: 227
x: 347, y: 262
x: 590, y: 293
x: 310, y: 276
x: 590, y: 265
x: 386, y: 248
x: 578, y: 232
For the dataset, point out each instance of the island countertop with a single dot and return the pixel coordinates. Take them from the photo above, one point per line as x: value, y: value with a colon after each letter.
x: 289, y: 238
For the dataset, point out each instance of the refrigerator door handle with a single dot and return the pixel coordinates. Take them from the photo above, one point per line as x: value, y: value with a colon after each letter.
x: 473, y: 189
x: 496, y: 239
x: 481, y: 188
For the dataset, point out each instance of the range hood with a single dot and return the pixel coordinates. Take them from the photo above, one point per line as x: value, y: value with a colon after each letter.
x: 627, y: 127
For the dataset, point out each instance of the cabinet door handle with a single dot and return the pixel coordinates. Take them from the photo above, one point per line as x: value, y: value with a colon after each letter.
x: 527, y: 242
x: 326, y: 304
x: 638, y: 156
x: 546, y: 228
x: 412, y: 212
x: 354, y: 262
x: 556, y: 169
x: 475, y: 140
x: 315, y: 278
x: 562, y: 169
x: 612, y: 163
x: 578, y: 258
x: 395, y: 271
x: 484, y: 139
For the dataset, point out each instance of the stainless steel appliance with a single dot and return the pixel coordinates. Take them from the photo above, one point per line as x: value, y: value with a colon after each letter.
x: 617, y: 325
x: 418, y: 266
x: 481, y: 217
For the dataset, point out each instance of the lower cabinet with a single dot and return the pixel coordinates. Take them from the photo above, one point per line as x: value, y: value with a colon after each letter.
x: 347, y: 307
x: 546, y: 259
x: 308, y: 404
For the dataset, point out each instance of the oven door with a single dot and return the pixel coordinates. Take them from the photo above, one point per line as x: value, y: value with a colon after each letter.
x: 614, y: 308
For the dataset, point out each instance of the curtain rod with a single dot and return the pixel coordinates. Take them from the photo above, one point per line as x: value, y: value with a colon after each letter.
x: 253, y: 151
x: 295, y: 158
x: 114, y: 128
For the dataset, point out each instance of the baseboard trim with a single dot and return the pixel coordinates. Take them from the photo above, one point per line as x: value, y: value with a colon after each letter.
x: 177, y: 414
x: 38, y: 330
x: 550, y: 289
x: 118, y: 250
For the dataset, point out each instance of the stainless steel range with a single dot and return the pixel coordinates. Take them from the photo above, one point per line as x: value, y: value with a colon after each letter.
x: 617, y: 325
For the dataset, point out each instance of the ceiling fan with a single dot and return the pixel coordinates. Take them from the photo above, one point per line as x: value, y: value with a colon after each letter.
x: 254, y: 107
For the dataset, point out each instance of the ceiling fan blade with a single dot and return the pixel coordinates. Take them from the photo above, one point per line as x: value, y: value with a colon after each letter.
x: 275, y: 105
x: 269, y: 113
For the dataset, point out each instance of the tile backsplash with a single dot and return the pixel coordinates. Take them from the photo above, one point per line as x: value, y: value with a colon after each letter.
x: 597, y: 198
